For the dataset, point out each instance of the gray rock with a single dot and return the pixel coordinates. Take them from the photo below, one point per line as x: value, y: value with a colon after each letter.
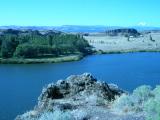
x: 76, y: 93
x: 78, y: 85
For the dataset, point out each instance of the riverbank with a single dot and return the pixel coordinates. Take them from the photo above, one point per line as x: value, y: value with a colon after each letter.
x: 125, y: 51
x: 69, y: 58
x: 41, y: 60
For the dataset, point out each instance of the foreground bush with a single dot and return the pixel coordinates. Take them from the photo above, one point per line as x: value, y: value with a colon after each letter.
x: 143, y: 99
x: 152, y: 106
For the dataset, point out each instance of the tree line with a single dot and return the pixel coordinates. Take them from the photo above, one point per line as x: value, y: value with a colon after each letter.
x: 33, y: 44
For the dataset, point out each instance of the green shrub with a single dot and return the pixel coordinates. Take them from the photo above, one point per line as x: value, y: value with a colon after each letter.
x: 123, y: 103
x: 152, y: 106
x: 143, y: 99
x: 142, y: 93
x: 152, y: 109
x: 156, y: 92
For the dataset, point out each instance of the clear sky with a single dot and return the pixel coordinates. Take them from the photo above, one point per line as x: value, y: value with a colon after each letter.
x: 80, y: 12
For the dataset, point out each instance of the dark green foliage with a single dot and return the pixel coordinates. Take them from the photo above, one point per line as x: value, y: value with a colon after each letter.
x: 0, y: 45
x: 8, y: 45
x: 32, y: 44
x: 151, y: 39
x: 50, y: 40
x: 65, y: 49
x: 11, y: 31
x: 33, y: 51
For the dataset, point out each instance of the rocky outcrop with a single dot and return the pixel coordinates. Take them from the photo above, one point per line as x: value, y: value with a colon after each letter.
x: 123, y: 32
x: 76, y: 93
x: 78, y: 85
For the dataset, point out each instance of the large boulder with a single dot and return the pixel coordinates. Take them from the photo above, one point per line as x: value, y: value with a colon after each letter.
x: 74, y: 92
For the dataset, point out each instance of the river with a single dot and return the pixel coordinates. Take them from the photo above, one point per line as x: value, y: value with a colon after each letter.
x: 20, y: 85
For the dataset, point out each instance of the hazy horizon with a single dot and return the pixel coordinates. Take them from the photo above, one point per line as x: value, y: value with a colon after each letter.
x: 76, y: 25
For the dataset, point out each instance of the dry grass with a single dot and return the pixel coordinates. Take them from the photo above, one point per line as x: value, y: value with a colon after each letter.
x: 121, y: 44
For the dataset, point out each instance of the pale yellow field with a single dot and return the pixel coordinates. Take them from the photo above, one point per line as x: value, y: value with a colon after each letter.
x: 121, y: 44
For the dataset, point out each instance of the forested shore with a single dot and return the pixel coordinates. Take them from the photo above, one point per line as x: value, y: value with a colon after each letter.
x: 28, y: 46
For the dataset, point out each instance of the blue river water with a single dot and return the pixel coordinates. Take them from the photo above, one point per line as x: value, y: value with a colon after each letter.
x: 20, y: 85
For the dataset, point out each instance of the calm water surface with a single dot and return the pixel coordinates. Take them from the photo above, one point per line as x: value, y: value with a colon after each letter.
x: 20, y: 85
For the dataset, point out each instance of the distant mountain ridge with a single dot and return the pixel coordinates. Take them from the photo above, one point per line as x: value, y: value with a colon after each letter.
x: 78, y: 28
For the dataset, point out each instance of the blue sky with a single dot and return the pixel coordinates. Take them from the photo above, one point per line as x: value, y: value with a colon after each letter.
x: 80, y: 12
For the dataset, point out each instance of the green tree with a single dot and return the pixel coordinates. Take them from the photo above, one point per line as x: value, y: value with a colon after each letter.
x: 8, y: 46
x: 49, y: 37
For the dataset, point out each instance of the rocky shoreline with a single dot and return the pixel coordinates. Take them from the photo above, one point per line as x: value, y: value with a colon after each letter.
x: 79, y: 97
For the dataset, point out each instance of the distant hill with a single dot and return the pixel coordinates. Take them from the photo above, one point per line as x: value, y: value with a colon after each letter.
x: 73, y: 28
x: 78, y: 28
x: 64, y: 28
